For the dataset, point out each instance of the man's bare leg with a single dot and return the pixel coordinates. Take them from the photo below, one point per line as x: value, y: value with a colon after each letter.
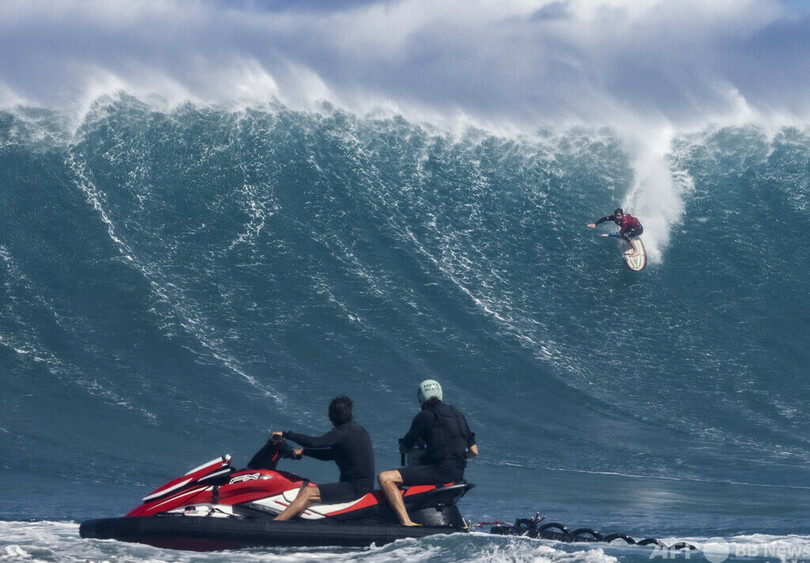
x: 390, y: 482
x: 305, y: 496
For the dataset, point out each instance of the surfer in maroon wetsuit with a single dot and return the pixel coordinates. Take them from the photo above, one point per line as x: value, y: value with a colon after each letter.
x: 630, y: 227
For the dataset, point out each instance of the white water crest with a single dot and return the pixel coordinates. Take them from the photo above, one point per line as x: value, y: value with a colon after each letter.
x: 51, y: 541
x: 527, y: 61
x: 650, y: 69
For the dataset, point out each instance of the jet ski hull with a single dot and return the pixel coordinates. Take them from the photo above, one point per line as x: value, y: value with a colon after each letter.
x: 213, y: 533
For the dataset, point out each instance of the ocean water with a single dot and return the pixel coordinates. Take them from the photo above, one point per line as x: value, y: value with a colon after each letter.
x: 177, y: 282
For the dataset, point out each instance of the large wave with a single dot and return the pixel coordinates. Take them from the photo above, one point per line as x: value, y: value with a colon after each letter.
x: 177, y: 281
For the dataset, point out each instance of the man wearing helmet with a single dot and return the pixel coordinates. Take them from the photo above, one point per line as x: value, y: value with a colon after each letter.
x: 630, y: 227
x: 444, y: 430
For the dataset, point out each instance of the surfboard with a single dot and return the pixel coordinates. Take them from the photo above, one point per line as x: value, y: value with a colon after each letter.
x: 638, y: 258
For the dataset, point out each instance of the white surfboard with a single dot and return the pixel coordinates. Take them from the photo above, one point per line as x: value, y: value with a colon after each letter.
x: 637, y: 259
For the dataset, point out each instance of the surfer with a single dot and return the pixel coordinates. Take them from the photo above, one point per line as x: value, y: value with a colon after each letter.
x: 630, y: 227
x: 349, y: 445
x: 449, y: 442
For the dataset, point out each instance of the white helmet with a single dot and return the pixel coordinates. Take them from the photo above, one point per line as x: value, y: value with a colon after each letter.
x: 428, y: 389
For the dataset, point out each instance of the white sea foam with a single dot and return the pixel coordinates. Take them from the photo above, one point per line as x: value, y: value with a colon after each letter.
x: 657, y: 194
x: 50, y: 541
x: 524, y: 61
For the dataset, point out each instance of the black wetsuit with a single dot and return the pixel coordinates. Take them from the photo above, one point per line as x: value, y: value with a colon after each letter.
x: 448, y: 437
x: 349, y: 445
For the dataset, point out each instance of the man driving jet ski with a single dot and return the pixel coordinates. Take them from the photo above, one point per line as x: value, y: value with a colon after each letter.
x: 349, y: 445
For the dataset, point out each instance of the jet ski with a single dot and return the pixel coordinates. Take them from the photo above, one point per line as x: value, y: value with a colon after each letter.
x: 215, y: 506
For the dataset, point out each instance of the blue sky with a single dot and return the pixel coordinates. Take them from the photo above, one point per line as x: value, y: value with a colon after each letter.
x: 798, y: 5
x: 523, y: 61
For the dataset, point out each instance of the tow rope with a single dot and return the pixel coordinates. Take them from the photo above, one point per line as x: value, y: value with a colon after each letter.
x: 529, y: 527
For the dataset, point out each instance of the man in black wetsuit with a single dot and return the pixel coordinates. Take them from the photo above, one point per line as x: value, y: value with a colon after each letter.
x: 349, y: 445
x: 449, y: 442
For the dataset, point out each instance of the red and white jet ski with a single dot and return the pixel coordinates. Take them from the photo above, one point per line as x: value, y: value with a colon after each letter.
x: 215, y: 506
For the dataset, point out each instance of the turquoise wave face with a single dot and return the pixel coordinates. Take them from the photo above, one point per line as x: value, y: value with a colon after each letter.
x: 175, y: 283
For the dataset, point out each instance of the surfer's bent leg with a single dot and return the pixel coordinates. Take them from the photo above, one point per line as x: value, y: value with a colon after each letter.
x: 631, y: 234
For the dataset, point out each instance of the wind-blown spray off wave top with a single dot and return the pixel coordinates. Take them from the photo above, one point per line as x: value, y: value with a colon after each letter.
x: 175, y: 282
